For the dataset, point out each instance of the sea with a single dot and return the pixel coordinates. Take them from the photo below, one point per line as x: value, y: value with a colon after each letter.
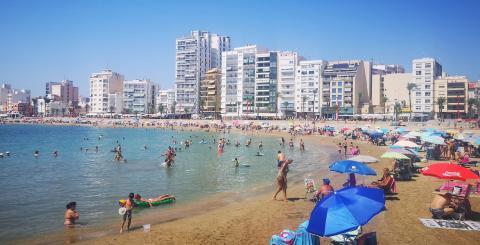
x: 35, y: 190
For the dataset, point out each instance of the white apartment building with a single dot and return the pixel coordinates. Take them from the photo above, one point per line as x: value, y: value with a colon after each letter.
x: 378, y: 98
x: 166, y: 101
x: 395, y: 91
x: 266, y: 84
x: 238, y: 81
x: 308, y: 87
x: 425, y: 71
x: 287, y: 66
x: 106, y: 92
x: 345, y: 88
x: 195, y: 55
x: 139, y: 96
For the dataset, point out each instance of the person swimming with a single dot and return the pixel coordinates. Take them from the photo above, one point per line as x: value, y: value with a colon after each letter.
x: 55, y: 153
x: 236, y: 162
x: 36, y: 153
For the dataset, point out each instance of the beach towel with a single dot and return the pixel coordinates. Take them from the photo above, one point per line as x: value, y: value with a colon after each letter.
x: 451, y: 224
x: 302, y: 237
x: 286, y: 237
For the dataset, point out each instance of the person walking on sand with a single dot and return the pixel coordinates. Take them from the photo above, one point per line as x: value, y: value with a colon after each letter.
x: 128, y: 213
x: 282, y: 180
x: 302, y: 145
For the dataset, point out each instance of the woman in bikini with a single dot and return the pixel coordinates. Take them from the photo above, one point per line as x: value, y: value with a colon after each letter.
x: 282, y: 179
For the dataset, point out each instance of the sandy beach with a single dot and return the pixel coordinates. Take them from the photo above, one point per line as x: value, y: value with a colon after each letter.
x: 255, y: 220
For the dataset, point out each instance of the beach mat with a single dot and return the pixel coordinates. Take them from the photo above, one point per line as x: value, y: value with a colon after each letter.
x: 451, y: 224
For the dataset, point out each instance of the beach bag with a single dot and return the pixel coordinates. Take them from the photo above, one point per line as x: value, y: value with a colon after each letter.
x: 286, y: 237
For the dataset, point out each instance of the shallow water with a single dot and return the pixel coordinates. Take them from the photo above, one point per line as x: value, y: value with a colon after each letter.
x: 35, y: 190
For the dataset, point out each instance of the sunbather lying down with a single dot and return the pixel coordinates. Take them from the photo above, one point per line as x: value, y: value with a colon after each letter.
x: 444, y: 206
x: 150, y: 200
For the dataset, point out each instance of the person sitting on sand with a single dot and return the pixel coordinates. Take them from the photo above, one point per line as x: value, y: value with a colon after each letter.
x: 282, y: 180
x: 128, y: 214
x: 324, y: 190
x: 385, y: 182
x: 71, y: 215
x: 443, y: 206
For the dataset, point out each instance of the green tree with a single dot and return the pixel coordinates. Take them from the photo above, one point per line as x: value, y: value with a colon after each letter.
x: 397, y: 108
x: 440, y: 103
x: 383, y: 101
x: 471, y: 102
x: 410, y: 87
x: 161, y: 108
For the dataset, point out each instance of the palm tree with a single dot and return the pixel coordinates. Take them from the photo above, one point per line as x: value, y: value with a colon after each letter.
x: 161, y: 108
x: 383, y: 102
x: 304, y: 99
x: 440, y: 103
x: 111, y: 110
x: 397, y: 108
x: 410, y: 87
x: 471, y: 102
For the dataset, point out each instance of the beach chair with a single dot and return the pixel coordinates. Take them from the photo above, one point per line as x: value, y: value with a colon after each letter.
x: 309, y: 187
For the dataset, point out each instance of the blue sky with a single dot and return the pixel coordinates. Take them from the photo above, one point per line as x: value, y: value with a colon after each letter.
x: 50, y: 40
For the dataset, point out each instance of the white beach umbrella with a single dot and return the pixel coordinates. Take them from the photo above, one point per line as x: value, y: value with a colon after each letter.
x: 406, y: 143
x: 364, y: 159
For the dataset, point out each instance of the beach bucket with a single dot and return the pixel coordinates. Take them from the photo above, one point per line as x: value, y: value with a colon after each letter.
x: 146, y: 227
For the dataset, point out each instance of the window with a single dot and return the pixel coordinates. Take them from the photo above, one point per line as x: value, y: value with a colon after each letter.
x: 418, y: 107
x: 339, y: 83
x: 418, y: 93
x: 334, y: 90
x: 428, y: 86
x: 428, y: 65
x: 427, y: 93
x: 418, y: 73
x: 339, y: 90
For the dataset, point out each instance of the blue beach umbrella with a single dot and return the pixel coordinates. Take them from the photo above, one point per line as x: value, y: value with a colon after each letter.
x: 384, y: 130
x: 401, y: 130
x: 437, y: 140
x: 351, y: 167
x: 395, y: 147
x: 345, y: 210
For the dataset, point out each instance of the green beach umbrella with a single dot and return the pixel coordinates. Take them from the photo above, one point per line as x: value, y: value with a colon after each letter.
x: 394, y: 155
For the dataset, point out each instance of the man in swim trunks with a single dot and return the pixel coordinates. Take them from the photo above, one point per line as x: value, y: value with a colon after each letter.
x: 442, y: 206
x: 128, y: 213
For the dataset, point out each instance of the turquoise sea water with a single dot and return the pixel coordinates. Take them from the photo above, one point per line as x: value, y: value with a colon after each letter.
x: 36, y: 190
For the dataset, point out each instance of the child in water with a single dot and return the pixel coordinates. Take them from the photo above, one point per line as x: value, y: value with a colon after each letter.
x: 236, y: 162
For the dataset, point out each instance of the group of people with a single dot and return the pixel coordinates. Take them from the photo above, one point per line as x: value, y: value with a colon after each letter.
x: 343, y: 149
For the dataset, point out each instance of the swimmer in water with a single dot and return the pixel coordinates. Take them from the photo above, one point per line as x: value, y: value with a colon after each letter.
x: 236, y: 162
x: 36, y: 153
x: 55, y: 153
x: 145, y: 147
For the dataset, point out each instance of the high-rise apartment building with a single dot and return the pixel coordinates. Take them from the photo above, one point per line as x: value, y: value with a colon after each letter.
x: 195, y: 55
x: 106, y: 92
x: 425, y: 71
x: 238, y: 81
x: 139, y: 96
x: 378, y: 98
x: 348, y: 88
x: 210, y: 101
x: 309, y: 89
x: 266, y: 82
x: 287, y: 66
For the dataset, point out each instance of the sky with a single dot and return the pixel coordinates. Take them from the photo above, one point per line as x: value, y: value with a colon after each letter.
x: 42, y: 41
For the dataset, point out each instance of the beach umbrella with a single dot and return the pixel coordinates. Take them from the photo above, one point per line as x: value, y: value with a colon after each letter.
x: 449, y: 171
x: 395, y: 147
x: 364, y: 159
x: 413, y: 134
x: 404, y: 152
x: 406, y: 143
x: 351, y: 167
x: 401, y: 130
x: 384, y: 130
x: 345, y: 210
x: 437, y: 140
x: 394, y: 155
